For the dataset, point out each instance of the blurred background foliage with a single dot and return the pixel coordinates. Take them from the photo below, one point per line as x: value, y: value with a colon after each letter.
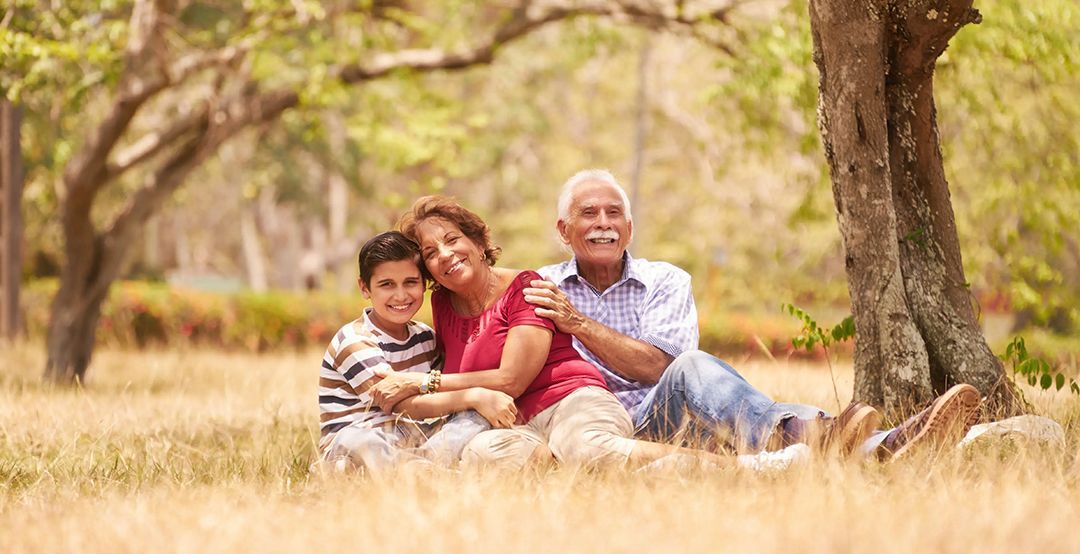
x: 733, y: 185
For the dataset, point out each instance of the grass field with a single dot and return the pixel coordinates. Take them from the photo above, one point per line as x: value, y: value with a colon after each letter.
x: 202, y: 451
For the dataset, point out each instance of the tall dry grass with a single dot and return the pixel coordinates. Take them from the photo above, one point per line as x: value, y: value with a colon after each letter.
x: 202, y: 451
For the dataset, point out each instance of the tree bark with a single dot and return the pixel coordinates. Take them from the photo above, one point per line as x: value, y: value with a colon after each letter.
x: 11, y: 223
x: 891, y: 366
x: 916, y: 330
x: 96, y: 259
x: 930, y: 257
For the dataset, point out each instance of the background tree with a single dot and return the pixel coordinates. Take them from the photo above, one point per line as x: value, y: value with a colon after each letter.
x: 11, y: 224
x: 731, y: 145
x: 916, y: 330
x: 240, y: 59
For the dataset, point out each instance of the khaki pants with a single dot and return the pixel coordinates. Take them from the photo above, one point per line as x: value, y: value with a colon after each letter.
x: 588, y: 427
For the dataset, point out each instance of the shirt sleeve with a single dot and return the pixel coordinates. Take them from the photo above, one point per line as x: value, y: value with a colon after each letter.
x: 520, y: 312
x: 357, y: 361
x: 669, y: 318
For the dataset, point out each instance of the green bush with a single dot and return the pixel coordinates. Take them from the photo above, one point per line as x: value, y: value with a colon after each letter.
x: 139, y: 314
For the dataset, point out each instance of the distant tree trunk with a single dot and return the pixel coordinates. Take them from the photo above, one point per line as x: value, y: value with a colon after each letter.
x: 916, y: 331
x: 641, y: 124
x: 254, y: 262
x: 11, y: 223
x: 337, y: 203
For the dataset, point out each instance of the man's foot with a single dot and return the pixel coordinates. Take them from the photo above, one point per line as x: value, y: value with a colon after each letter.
x: 832, y: 435
x: 853, y: 426
x: 947, y: 419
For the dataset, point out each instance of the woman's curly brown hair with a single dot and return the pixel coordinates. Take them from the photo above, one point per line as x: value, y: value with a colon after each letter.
x: 427, y: 207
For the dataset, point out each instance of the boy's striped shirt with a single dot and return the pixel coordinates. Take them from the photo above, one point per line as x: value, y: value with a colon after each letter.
x: 348, y: 367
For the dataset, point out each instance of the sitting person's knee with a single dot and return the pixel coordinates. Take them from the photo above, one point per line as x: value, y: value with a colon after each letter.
x: 501, y: 447
x: 592, y: 448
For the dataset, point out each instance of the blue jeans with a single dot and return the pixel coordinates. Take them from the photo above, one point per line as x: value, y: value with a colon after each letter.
x: 710, y: 400
x: 379, y: 448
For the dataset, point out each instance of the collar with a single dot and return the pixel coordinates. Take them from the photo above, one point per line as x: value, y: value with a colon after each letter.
x: 569, y: 270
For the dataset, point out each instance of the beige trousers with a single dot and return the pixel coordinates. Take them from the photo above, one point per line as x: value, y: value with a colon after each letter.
x: 589, y: 427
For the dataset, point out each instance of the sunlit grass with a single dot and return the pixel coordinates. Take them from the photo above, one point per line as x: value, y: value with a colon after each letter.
x: 204, y: 451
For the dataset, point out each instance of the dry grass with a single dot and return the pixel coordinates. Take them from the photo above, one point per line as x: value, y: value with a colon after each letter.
x: 202, y: 451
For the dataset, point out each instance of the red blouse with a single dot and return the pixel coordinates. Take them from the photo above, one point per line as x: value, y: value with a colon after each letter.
x: 476, y: 343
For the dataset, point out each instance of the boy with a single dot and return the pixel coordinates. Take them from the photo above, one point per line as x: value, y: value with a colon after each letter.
x: 354, y: 431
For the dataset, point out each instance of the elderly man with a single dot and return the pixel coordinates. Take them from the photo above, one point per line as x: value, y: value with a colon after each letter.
x: 635, y: 319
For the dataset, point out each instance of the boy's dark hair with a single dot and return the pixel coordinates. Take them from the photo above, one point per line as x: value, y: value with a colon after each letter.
x: 390, y: 246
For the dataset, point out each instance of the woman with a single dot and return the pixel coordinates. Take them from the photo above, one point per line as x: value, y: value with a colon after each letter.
x: 492, y: 338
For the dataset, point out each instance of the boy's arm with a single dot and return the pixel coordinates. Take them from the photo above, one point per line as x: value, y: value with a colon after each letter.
x: 526, y: 350
x: 498, y: 408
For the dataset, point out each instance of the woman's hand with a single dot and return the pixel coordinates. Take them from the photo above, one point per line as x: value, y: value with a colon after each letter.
x: 496, y: 407
x: 393, y: 387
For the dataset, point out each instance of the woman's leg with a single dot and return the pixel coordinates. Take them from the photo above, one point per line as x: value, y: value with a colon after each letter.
x: 590, y: 427
x: 512, y: 449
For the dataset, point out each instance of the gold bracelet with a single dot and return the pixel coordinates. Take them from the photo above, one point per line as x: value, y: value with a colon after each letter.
x: 434, y: 380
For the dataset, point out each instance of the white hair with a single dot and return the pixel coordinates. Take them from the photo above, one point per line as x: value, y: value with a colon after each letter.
x: 582, y: 177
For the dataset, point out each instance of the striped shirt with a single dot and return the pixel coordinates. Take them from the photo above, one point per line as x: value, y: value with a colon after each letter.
x: 652, y: 302
x: 348, y: 368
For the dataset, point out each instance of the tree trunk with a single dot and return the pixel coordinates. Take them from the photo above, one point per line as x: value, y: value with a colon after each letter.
x: 891, y: 366
x: 72, y: 328
x: 96, y: 259
x: 641, y: 126
x: 337, y: 204
x: 916, y: 330
x: 930, y: 258
x: 11, y: 223
x: 254, y: 263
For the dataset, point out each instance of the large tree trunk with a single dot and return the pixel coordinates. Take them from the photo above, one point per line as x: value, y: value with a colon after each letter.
x: 891, y: 367
x: 916, y: 330
x: 937, y: 289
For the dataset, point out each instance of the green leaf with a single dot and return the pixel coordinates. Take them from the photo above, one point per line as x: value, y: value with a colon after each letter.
x: 1060, y: 381
x: 1046, y: 382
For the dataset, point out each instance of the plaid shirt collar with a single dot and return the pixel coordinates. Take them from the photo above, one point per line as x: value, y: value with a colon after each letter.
x: 630, y: 272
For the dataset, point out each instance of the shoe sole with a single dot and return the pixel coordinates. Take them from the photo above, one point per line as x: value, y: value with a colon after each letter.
x: 859, y: 428
x: 954, y: 410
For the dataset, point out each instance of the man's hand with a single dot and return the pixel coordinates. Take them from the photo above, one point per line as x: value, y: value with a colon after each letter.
x: 496, y: 407
x: 394, y: 387
x: 553, y: 304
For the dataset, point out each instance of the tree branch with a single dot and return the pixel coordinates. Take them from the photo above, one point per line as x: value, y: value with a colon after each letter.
x: 85, y: 173
x: 213, y: 126
x: 528, y: 17
x: 926, y: 27
x: 154, y: 142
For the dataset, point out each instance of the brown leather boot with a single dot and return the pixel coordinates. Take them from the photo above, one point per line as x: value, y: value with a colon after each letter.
x: 853, y: 426
x: 839, y: 435
x: 942, y: 423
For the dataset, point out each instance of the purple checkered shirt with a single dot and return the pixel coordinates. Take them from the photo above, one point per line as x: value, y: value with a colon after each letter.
x: 652, y: 302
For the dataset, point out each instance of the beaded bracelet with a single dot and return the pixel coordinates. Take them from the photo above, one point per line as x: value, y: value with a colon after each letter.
x: 431, y: 382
